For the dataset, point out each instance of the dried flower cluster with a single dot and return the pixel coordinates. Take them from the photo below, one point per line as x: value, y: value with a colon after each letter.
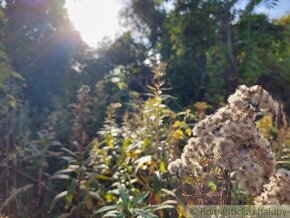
x: 229, y: 139
x: 277, y: 191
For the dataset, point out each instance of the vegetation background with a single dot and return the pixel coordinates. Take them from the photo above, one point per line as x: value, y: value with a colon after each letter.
x: 83, y: 128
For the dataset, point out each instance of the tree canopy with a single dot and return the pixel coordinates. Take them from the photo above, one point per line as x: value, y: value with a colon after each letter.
x: 88, y: 132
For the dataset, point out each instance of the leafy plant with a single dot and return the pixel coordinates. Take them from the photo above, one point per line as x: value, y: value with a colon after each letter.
x: 82, y: 187
x: 131, y: 207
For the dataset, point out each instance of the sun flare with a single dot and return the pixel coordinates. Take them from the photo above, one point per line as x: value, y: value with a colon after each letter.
x: 94, y: 19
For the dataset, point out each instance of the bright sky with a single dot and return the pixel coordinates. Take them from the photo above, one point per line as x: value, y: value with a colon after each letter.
x: 282, y: 8
x: 96, y: 19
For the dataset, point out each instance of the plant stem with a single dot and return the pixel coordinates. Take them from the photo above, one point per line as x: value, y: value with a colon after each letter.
x: 227, y: 186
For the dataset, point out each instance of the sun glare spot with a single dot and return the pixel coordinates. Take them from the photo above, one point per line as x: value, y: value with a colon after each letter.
x: 95, y: 19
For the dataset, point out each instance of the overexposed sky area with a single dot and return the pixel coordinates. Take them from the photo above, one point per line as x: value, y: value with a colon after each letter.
x: 282, y: 8
x: 96, y: 19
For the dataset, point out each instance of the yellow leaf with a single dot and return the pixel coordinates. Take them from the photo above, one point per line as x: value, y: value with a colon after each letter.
x: 176, y: 124
x: 212, y: 186
x: 13, y: 103
x: 109, y: 140
x: 162, y: 166
x: 180, y: 134
x: 188, y: 131
x: 180, y: 211
x: 109, y: 197
x: 145, y: 143
x: 102, y: 177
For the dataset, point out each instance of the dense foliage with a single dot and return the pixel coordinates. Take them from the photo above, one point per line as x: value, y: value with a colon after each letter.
x: 90, y: 133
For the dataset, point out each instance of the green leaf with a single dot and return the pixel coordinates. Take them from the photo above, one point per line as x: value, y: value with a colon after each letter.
x: 95, y: 195
x: 70, y: 193
x: 181, y: 113
x: 60, y: 176
x: 56, y: 199
x: 121, y: 85
x: 145, y: 214
x: 162, y: 207
x: 168, y: 192
x: 157, y: 185
x: 165, y: 97
x: 124, y: 196
x: 112, y: 213
x: 106, y: 208
x: 139, y: 199
x: 142, y: 161
x: 283, y: 162
x: 17, y: 75
x: 169, y: 202
x: 151, y: 88
x: 64, y: 171
x: 69, y: 152
x: 102, y: 177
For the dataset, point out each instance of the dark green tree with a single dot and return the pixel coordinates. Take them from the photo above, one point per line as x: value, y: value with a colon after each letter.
x: 43, y: 46
x: 203, y: 41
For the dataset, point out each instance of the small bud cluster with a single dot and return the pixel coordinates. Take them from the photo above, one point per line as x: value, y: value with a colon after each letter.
x: 277, y: 191
x: 229, y: 139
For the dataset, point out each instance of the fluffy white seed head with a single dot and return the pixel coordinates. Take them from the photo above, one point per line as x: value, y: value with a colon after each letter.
x: 229, y: 138
x: 277, y: 191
